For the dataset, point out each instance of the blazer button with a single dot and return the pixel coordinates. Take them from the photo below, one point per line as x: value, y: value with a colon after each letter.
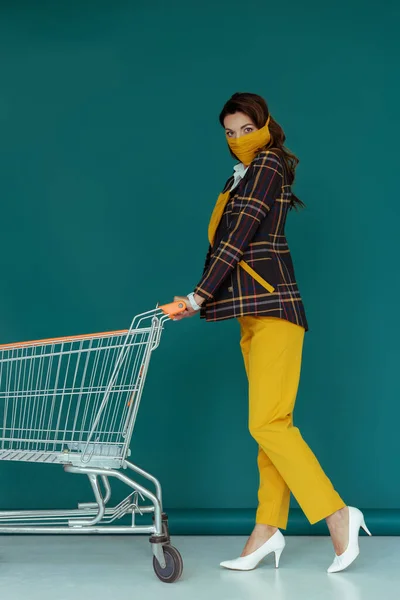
x: 230, y: 289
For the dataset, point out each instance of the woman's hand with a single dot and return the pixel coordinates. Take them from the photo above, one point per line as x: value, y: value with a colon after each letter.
x: 189, y: 312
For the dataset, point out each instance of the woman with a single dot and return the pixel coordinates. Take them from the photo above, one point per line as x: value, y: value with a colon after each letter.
x: 249, y: 276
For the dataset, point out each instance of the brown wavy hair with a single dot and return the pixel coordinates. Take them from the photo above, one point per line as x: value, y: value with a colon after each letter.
x: 256, y: 108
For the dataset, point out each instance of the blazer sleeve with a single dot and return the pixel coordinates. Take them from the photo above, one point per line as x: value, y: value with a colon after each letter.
x: 207, y: 260
x: 264, y: 182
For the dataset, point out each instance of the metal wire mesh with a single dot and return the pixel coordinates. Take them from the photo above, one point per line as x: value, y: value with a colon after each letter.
x: 73, y: 395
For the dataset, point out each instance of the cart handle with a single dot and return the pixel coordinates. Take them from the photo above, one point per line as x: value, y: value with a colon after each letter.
x: 174, y: 308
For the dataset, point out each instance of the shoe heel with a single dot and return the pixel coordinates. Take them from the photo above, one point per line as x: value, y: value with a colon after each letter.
x: 277, y: 557
x: 363, y: 525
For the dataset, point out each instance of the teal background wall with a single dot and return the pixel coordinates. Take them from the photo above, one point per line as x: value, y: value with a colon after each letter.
x: 111, y: 160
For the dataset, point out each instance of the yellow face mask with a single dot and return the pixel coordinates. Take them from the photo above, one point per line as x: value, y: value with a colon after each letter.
x: 247, y: 146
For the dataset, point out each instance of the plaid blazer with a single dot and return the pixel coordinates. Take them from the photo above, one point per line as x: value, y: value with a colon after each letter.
x: 252, y: 229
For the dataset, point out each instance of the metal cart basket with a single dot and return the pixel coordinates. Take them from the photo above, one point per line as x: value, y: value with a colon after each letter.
x: 73, y: 401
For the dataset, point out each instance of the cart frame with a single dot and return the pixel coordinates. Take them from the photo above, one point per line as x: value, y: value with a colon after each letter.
x: 47, y: 388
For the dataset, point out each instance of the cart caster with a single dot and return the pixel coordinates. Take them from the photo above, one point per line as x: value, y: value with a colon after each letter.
x: 165, y: 526
x: 173, y: 565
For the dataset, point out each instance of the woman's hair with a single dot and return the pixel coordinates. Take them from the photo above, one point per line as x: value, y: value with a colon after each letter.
x: 256, y: 108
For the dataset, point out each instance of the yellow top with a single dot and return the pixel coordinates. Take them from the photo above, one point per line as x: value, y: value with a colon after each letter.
x: 217, y: 215
x: 212, y: 229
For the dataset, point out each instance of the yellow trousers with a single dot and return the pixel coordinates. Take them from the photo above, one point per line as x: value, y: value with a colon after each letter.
x: 272, y: 350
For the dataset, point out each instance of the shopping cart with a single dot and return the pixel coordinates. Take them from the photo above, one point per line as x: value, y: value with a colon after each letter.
x: 73, y: 401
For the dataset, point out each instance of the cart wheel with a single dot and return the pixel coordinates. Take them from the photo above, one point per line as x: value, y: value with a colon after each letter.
x: 173, y: 567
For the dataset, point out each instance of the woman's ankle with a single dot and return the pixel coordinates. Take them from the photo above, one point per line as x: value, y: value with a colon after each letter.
x: 337, y: 516
x: 267, y: 528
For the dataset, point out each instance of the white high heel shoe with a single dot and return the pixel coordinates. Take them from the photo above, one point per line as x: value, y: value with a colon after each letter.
x: 276, y: 544
x: 356, y: 520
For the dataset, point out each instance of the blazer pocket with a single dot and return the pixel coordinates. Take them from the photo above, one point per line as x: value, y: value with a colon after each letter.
x: 246, y: 267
